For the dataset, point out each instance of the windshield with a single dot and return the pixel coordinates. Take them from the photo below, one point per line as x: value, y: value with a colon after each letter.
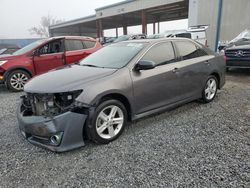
x: 244, y: 35
x: 114, y: 56
x: 122, y: 38
x: 28, y: 47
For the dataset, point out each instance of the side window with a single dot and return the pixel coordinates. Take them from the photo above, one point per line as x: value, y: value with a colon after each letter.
x: 51, y: 47
x: 72, y: 45
x: 89, y: 44
x: 161, y: 54
x: 189, y: 50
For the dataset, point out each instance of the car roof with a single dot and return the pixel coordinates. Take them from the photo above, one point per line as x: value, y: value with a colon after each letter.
x: 159, y: 40
x: 71, y: 37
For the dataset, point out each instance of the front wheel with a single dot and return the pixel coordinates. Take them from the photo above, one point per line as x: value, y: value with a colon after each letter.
x: 108, y: 122
x: 16, y: 80
x: 210, y: 89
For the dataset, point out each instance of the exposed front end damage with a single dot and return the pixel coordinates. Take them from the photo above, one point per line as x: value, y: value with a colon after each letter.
x: 53, y: 121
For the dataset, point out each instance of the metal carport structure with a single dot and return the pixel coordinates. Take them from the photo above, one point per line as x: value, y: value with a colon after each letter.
x: 124, y: 14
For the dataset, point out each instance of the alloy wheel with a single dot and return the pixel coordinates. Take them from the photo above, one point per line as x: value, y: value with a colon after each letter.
x: 109, y: 122
x: 211, y: 88
x: 18, y: 80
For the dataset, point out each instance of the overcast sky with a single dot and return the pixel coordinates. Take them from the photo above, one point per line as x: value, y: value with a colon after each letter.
x: 17, y: 16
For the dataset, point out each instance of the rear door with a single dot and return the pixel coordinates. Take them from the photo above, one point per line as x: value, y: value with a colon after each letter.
x: 156, y: 87
x: 193, y: 67
x: 49, y: 56
x: 75, y: 50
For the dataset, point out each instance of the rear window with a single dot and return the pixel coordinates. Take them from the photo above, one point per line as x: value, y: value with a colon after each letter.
x: 89, y: 44
x: 184, y: 35
x: 72, y: 45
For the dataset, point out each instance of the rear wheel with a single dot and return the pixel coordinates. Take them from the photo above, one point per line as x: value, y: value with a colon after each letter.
x: 16, y: 80
x: 210, y: 89
x: 108, y: 122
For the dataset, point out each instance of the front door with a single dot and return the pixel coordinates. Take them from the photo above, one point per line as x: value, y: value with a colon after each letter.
x: 156, y: 87
x: 49, y: 56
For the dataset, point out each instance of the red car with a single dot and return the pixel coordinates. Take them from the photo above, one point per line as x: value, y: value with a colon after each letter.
x: 42, y: 56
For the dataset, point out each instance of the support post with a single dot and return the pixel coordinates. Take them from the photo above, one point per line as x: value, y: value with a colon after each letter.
x: 154, y: 28
x: 116, y: 32
x: 158, y: 27
x: 218, y: 25
x: 99, y: 29
x: 144, y: 22
x: 51, y: 34
x: 125, y: 30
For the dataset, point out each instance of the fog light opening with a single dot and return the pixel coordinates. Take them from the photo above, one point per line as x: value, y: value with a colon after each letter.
x: 56, y: 139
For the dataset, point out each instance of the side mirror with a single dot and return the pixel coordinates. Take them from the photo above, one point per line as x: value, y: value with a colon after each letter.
x: 145, y: 65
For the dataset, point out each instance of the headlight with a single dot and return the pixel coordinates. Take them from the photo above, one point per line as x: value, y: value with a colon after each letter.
x: 2, y: 62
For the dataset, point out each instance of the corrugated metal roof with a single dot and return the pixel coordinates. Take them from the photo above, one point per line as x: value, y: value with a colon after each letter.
x: 115, y: 4
x: 75, y: 21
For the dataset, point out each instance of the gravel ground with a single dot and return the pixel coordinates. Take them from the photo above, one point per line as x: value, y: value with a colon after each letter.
x: 196, y: 145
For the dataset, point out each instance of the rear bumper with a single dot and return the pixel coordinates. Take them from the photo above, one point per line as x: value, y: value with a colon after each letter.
x: 68, y: 127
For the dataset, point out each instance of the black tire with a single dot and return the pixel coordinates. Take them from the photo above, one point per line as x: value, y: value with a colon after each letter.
x: 205, y: 97
x: 227, y: 69
x: 15, y: 74
x: 92, y: 125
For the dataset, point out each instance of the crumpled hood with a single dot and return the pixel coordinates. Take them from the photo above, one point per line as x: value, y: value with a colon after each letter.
x: 69, y: 78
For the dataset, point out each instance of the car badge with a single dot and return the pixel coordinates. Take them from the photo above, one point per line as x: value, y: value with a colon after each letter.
x: 239, y: 53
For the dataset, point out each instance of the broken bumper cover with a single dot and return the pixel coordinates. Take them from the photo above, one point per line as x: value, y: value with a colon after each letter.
x: 60, y: 133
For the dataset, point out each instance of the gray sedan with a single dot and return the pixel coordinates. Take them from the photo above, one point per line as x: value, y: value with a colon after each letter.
x: 119, y: 83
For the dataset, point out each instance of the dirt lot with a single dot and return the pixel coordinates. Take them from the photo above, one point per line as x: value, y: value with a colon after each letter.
x: 195, y: 145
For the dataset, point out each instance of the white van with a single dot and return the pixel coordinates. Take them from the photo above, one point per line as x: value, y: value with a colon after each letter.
x: 197, y: 33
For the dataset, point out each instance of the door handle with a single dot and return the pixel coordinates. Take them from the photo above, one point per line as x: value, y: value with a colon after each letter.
x: 175, y: 70
x: 207, y: 63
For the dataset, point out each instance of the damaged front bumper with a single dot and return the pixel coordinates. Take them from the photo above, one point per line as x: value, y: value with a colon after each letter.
x: 59, y: 133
